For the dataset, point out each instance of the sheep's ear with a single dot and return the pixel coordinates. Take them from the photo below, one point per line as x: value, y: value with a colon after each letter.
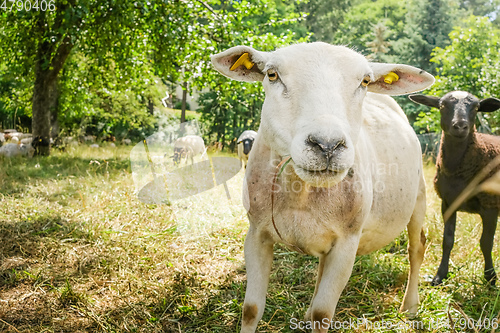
x: 251, y: 67
x: 431, y: 101
x: 395, y: 79
x: 489, y: 105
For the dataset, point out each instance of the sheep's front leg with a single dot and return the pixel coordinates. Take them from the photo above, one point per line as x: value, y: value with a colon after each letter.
x: 448, y: 241
x: 337, y: 269
x: 489, y: 217
x: 416, y: 250
x: 258, y: 260
x: 321, y: 265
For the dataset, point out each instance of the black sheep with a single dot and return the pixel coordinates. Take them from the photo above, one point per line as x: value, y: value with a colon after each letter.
x: 462, y: 155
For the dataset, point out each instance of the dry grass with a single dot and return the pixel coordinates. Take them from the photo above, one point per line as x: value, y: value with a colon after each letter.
x: 79, y: 253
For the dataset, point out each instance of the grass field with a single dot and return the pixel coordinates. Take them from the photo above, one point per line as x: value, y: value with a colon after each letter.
x: 80, y: 253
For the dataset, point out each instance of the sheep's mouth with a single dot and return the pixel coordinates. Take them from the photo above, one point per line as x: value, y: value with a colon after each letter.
x: 321, y: 178
x: 324, y: 173
x: 460, y: 136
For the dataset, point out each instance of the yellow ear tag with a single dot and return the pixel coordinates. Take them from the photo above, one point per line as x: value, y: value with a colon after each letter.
x: 243, y: 60
x: 391, y: 77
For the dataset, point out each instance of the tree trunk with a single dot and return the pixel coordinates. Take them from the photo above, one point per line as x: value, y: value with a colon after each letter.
x: 151, y: 107
x: 54, y: 110
x: 184, y: 97
x: 41, y: 112
x: 45, y: 92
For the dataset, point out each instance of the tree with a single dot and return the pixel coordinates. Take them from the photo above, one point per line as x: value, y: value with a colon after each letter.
x: 379, y: 46
x: 488, y: 8
x: 325, y: 18
x: 428, y: 23
x: 357, y: 28
x: 106, y: 30
x: 231, y: 107
x: 108, y: 99
x: 470, y: 63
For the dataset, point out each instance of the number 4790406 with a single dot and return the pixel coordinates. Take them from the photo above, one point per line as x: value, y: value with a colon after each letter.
x: 28, y: 5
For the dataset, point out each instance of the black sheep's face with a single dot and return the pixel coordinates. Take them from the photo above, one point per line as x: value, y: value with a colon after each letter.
x: 247, y: 146
x: 458, y: 113
x: 179, y: 153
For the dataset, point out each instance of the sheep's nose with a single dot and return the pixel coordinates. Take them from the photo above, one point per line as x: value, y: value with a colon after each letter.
x: 326, y: 146
x: 461, y: 125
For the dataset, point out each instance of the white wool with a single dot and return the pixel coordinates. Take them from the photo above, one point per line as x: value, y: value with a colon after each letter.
x: 14, y: 149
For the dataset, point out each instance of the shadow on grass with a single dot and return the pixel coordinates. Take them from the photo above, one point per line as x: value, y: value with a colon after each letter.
x: 32, y: 279
x: 18, y: 173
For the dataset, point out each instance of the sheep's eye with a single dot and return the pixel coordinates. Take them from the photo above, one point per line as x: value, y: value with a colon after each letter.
x: 272, y: 75
x: 366, y: 81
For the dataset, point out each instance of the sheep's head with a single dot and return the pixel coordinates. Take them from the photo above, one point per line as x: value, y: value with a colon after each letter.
x: 458, y: 111
x: 247, y: 145
x: 314, y: 98
x: 179, y: 154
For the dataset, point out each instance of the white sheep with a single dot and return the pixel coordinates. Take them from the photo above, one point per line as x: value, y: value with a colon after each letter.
x: 16, y: 149
x: 188, y: 147
x: 245, y: 142
x: 354, y: 180
x: 87, y: 138
x: 27, y: 141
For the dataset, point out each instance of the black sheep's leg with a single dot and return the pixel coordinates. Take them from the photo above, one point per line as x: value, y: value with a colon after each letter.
x: 489, y: 217
x: 448, y: 241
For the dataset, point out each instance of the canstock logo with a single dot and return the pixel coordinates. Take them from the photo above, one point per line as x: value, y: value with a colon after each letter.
x: 173, y: 164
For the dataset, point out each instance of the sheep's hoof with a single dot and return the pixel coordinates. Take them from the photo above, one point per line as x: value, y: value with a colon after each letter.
x: 437, y: 281
x: 308, y: 315
x: 491, y: 277
x: 410, y: 313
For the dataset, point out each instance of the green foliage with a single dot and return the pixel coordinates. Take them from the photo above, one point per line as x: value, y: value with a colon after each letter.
x: 481, y: 7
x: 325, y: 18
x: 470, y: 63
x: 119, y: 49
x: 108, y: 99
x: 120, y: 52
x: 15, y: 100
x: 467, y: 63
x: 428, y: 23
x: 178, y: 106
x: 231, y: 107
x: 358, y: 28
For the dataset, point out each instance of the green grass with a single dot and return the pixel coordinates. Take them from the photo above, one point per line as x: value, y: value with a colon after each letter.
x: 79, y: 253
x: 190, y: 115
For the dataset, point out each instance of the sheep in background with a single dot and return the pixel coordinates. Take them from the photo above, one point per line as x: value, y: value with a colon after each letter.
x: 27, y: 141
x: 188, y: 146
x: 245, y: 142
x: 109, y: 138
x: 15, y: 149
x: 86, y: 139
x: 2, y: 139
x: 463, y: 153
x: 39, y: 141
x: 326, y: 112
